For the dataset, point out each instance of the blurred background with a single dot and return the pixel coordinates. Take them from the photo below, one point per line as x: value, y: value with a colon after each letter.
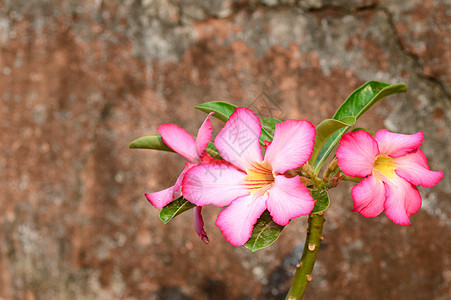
x: 80, y: 79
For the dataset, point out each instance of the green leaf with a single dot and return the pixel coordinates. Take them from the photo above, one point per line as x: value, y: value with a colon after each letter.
x: 322, y: 200
x: 323, y: 132
x: 355, y: 105
x: 268, y: 127
x: 150, y: 142
x: 175, y: 208
x: 264, y: 234
x: 222, y: 110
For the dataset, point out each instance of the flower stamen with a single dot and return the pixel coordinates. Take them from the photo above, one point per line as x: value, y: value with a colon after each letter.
x: 384, y: 167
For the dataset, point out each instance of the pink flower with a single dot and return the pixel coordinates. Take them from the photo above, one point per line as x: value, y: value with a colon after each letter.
x: 251, y: 183
x: 393, y: 166
x: 179, y: 140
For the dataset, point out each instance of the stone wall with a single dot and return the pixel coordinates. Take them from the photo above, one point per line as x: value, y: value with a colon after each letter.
x: 79, y: 80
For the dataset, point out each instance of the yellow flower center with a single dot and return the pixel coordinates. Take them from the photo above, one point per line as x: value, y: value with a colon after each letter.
x: 259, y: 175
x: 384, y: 167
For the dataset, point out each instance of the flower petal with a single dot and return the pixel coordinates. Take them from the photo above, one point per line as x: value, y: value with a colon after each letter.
x: 369, y: 196
x: 402, y: 200
x: 199, y: 224
x: 217, y: 184
x: 292, y: 145
x: 204, y: 135
x: 179, y: 140
x: 288, y: 199
x: 357, y: 153
x: 238, y: 142
x: 396, y: 144
x: 414, y: 168
x: 237, y: 221
x: 162, y: 198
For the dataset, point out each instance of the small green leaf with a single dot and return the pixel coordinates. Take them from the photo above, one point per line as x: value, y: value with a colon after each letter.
x: 264, y: 234
x: 150, y: 142
x: 322, y: 201
x: 355, y: 105
x: 268, y: 127
x: 324, y: 130
x: 222, y: 110
x: 175, y: 208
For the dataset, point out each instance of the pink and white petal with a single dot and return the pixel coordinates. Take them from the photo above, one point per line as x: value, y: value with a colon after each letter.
x: 199, y: 224
x: 414, y: 168
x: 369, y: 197
x: 239, y: 141
x: 162, y: 198
x: 396, y: 144
x: 204, y: 135
x: 357, y: 153
x: 292, y: 145
x: 179, y: 140
x: 237, y: 220
x: 288, y: 199
x: 213, y: 184
x: 402, y: 200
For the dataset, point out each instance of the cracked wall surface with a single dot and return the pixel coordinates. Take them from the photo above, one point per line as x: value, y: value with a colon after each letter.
x: 79, y: 80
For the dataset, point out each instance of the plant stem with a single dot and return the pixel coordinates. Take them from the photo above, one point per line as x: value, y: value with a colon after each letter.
x: 304, y: 268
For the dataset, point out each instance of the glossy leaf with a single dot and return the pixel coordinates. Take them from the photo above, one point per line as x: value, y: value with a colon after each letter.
x: 150, y: 142
x: 268, y: 127
x: 265, y: 233
x: 222, y: 110
x: 355, y: 105
x: 175, y: 208
x: 322, y: 200
x: 324, y: 131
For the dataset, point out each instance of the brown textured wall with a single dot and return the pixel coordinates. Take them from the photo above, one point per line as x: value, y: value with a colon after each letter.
x: 79, y: 80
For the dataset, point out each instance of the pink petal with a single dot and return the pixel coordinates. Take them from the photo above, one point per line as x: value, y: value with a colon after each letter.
x: 396, y: 144
x: 238, y: 142
x: 402, y: 200
x: 369, y: 197
x: 414, y: 168
x: 162, y: 198
x: 357, y: 153
x: 179, y: 140
x: 213, y: 184
x: 199, y: 224
x: 288, y: 199
x: 292, y: 145
x: 237, y: 221
x: 204, y: 135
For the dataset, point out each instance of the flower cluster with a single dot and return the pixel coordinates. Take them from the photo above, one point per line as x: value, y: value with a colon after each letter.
x: 392, y: 166
x: 247, y: 182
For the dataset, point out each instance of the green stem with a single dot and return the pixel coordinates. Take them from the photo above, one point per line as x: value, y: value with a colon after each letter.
x: 304, y: 268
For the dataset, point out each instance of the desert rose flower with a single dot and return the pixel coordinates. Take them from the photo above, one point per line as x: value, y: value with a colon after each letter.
x: 179, y: 140
x: 393, y: 165
x: 251, y: 183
